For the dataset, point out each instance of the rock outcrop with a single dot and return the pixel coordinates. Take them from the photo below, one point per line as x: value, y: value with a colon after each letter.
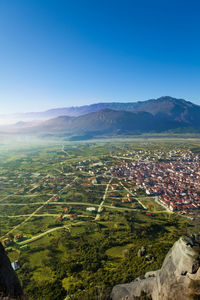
x: 141, y: 252
x: 9, y: 284
x: 178, y: 278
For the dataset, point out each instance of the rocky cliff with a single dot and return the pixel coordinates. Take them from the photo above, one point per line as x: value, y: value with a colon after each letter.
x: 178, y: 278
x: 9, y: 284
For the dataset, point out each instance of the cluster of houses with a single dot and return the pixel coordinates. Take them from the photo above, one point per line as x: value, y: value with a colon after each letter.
x: 176, y: 182
x: 67, y: 213
x: 9, y: 240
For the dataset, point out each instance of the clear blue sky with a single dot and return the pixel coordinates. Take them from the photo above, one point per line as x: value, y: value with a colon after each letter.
x: 56, y: 53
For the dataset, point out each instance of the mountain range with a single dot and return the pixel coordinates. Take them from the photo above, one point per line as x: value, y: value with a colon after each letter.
x: 155, y: 115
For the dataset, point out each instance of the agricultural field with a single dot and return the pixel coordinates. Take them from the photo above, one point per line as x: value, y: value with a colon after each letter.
x: 75, y: 225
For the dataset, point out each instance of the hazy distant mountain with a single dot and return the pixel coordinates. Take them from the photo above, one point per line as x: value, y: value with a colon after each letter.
x: 165, y: 113
x: 108, y: 122
x: 176, y: 108
x: 102, y: 122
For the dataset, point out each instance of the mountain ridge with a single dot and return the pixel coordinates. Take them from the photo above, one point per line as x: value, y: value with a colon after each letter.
x: 80, y: 110
x: 151, y: 116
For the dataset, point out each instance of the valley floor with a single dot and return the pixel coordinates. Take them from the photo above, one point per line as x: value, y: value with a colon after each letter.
x: 74, y: 225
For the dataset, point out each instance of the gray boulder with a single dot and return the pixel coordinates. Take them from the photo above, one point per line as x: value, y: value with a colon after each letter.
x: 176, y: 279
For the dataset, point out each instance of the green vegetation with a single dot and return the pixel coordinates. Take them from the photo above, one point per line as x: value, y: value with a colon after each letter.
x: 102, y: 256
